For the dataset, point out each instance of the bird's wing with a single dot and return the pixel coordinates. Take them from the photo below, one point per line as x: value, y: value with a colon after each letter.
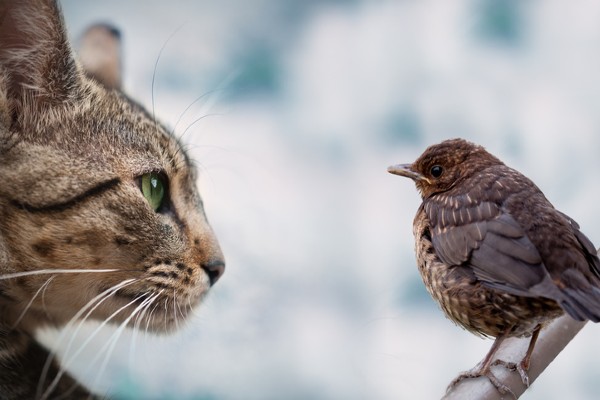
x: 491, y: 242
x: 487, y: 239
x: 589, y: 251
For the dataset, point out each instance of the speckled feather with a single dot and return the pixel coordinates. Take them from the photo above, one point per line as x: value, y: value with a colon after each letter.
x: 493, y: 251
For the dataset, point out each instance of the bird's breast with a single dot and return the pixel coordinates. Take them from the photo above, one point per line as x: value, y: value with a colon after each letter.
x: 467, y: 302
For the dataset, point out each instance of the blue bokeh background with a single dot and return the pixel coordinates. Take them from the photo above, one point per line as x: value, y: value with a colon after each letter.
x: 303, y: 106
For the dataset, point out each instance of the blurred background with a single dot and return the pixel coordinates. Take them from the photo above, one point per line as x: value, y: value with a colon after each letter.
x: 292, y: 111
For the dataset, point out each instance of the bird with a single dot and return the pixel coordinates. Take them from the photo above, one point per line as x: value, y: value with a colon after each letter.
x: 499, y: 259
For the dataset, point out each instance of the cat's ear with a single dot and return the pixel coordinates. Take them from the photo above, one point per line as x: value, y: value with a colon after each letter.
x: 100, y: 54
x: 36, y: 61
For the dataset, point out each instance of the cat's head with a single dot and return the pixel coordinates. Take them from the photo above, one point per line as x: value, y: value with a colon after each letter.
x: 90, y: 181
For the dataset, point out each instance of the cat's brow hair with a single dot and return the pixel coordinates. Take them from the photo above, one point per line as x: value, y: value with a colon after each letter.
x: 65, y: 205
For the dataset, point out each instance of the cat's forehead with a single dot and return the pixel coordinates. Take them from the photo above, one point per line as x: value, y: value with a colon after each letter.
x: 140, y: 132
x: 111, y: 128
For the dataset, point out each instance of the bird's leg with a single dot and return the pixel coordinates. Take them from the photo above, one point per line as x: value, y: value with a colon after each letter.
x: 523, y: 366
x: 484, y: 369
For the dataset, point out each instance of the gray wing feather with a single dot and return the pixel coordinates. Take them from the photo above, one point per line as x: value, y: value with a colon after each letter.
x: 487, y: 239
x: 590, y: 251
x: 494, y: 245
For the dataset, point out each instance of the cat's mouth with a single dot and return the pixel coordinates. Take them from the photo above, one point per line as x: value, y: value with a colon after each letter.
x: 156, y: 309
x: 133, y: 297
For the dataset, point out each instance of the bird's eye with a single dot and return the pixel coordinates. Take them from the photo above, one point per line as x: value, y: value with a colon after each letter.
x: 436, y: 171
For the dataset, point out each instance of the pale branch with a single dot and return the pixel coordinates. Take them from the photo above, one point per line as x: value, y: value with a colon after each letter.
x: 551, y: 341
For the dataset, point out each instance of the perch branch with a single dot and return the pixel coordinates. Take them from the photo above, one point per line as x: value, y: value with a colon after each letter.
x: 551, y: 341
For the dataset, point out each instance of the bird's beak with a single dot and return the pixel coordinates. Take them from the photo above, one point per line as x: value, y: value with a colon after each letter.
x: 407, y: 171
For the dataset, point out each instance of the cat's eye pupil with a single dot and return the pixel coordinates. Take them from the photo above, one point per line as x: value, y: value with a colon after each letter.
x: 153, y: 189
x: 436, y: 171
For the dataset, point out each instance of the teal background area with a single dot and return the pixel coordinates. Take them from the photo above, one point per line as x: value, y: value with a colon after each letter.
x: 296, y: 109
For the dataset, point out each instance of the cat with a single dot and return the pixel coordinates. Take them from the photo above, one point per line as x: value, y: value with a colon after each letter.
x: 100, y: 217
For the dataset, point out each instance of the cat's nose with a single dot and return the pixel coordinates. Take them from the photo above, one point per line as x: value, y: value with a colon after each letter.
x: 214, y: 270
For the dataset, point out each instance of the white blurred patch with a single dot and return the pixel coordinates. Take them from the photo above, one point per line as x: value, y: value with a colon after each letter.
x: 315, y: 300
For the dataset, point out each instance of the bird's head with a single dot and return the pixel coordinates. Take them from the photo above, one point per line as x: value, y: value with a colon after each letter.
x: 443, y: 165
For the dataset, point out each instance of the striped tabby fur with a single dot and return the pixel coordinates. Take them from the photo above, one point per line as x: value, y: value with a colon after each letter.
x: 78, y: 239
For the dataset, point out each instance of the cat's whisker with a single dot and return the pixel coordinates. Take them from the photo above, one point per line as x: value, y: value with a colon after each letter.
x: 109, y: 293
x: 112, y: 342
x: 136, y: 329
x: 194, y: 146
x: 194, y: 122
x: 208, y: 105
x: 175, y: 309
x: 183, y: 148
x: 166, y: 313
x: 150, y: 318
x: 144, y: 305
x: 156, y: 67
x: 42, y: 290
x: 101, y: 297
x: 196, y: 100
x: 51, y: 356
x: 44, y: 307
x: 180, y: 311
x: 67, y: 362
x: 54, y: 271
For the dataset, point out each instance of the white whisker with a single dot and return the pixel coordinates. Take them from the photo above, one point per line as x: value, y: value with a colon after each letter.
x: 143, y: 306
x: 175, y: 309
x: 65, y: 364
x: 112, y: 342
x: 180, y: 311
x: 28, y: 306
x: 53, y: 271
x: 210, y: 101
x: 98, y: 298
x: 190, y: 106
x: 156, y: 67
x: 194, y: 122
x: 109, y: 293
x: 150, y: 318
x: 44, y: 302
x: 136, y: 329
x: 166, y: 313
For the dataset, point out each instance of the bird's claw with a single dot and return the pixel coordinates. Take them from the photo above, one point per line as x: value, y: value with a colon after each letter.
x: 519, y: 367
x: 476, y: 373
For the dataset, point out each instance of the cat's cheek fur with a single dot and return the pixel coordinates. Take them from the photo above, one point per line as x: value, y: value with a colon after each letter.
x: 163, y: 261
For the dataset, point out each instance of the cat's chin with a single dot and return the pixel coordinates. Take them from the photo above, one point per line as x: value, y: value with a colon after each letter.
x: 158, y: 312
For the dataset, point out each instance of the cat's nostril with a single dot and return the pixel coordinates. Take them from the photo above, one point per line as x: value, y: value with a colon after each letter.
x: 214, y: 270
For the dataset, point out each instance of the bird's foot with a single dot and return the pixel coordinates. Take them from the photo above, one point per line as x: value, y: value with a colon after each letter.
x: 479, y: 372
x: 521, y: 368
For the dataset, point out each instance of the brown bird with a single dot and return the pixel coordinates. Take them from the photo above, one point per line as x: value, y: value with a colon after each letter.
x: 493, y: 252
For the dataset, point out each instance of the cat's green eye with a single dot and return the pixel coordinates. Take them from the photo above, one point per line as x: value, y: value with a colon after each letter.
x: 153, y: 189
